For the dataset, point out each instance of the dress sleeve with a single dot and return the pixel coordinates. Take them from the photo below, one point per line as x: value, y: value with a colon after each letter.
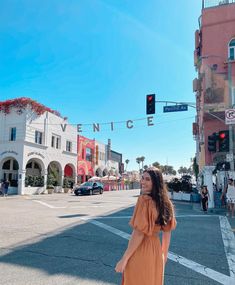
x: 171, y: 225
x: 144, y: 216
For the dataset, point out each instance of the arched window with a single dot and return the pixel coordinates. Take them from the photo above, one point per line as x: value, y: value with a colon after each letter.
x: 231, y: 50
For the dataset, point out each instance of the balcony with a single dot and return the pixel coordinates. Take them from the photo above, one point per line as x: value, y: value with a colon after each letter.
x: 214, y: 3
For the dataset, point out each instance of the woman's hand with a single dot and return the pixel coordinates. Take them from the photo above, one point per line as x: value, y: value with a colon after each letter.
x: 164, y: 257
x: 120, y: 267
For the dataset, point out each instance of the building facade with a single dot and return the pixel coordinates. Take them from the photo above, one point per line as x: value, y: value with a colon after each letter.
x: 107, y: 162
x: 37, y: 147
x: 214, y: 59
x: 86, y: 158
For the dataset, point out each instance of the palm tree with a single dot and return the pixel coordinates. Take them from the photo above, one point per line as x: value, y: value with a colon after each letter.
x: 146, y: 167
x: 138, y: 161
x: 157, y: 164
x: 127, y: 161
x: 142, y: 158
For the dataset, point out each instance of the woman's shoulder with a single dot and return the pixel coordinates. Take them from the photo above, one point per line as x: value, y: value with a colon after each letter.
x: 145, y: 198
x: 146, y: 201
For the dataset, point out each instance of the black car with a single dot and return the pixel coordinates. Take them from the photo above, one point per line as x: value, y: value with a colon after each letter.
x: 89, y: 188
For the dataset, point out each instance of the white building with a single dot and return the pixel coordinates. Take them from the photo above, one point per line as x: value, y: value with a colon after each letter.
x: 37, y: 147
x: 103, y: 163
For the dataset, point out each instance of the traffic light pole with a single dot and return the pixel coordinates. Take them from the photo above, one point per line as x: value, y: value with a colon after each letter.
x: 190, y: 104
x: 230, y: 126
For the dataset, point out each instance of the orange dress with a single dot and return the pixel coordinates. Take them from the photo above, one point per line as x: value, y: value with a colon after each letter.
x: 145, y: 266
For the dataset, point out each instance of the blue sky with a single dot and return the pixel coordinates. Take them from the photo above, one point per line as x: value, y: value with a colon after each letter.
x: 94, y: 61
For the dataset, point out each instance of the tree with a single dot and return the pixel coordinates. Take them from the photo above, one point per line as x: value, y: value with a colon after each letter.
x: 142, y: 158
x: 138, y: 161
x: 195, y: 168
x: 156, y: 164
x: 167, y: 169
x: 183, y: 170
x: 146, y: 167
x: 127, y: 161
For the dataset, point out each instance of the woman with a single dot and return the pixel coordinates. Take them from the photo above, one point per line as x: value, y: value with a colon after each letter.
x: 145, y: 258
x: 229, y: 191
x: 205, y: 197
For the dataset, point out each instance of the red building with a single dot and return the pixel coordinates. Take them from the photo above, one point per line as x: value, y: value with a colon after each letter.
x: 214, y: 58
x: 86, y: 159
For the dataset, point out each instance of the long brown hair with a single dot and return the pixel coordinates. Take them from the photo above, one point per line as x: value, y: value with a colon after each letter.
x: 160, y: 196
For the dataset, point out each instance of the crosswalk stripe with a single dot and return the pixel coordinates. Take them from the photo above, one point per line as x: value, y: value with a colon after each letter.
x: 229, y: 244
x: 210, y: 273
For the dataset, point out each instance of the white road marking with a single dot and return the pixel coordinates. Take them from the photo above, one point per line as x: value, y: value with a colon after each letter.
x: 229, y: 244
x: 55, y: 207
x: 48, y: 205
x: 109, y: 228
x: 210, y: 273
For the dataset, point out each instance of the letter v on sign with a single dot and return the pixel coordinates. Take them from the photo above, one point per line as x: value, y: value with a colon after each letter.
x: 63, y: 127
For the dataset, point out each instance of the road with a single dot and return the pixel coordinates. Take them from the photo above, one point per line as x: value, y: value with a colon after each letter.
x: 64, y: 239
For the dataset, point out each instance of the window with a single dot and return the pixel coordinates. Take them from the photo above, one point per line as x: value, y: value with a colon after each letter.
x: 7, y: 165
x: 38, y: 137
x: 12, y: 134
x: 55, y: 141
x: 68, y: 146
x: 52, y: 141
x: 88, y: 154
x: 232, y: 49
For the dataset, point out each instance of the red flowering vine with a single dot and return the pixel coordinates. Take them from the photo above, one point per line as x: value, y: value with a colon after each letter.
x: 23, y: 103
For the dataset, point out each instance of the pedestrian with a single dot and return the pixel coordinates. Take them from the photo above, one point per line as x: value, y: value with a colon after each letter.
x: 204, y: 198
x: 5, y: 187
x: 1, y: 188
x: 144, y: 260
x: 229, y: 192
x: 215, y: 187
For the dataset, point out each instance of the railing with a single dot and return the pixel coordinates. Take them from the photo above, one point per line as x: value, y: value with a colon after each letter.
x: 214, y: 3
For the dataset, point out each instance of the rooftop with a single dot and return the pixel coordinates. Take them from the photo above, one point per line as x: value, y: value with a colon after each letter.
x: 23, y: 103
x: 214, y: 3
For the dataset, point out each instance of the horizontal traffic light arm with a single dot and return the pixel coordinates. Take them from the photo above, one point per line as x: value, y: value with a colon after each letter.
x: 190, y: 104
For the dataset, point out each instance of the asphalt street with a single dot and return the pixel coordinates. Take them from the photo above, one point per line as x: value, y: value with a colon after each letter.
x: 65, y: 239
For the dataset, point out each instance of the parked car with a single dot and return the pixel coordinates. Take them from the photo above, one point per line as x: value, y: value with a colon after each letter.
x: 89, y: 188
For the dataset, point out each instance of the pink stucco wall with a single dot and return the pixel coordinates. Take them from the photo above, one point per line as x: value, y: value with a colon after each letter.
x: 217, y: 29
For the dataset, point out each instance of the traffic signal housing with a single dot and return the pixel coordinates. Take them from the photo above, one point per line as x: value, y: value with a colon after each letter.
x: 150, y: 104
x: 224, y: 141
x: 211, y: 144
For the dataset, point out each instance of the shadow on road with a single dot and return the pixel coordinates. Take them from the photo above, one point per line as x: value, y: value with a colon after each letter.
x: 84, y: 250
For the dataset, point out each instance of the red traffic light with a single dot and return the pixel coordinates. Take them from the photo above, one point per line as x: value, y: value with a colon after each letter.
x: 150, y: 104
x: 222, y: 135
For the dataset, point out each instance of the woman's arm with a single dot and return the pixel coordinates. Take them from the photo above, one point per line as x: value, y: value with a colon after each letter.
x: 166, y: 238
x: 209, y: 197
x: 136, y: 239
x: 223, y: 193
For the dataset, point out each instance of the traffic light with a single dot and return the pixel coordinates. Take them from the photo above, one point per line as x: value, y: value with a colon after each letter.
x: 150, y: 104
x: 212, y: 142
x: 224, y: 141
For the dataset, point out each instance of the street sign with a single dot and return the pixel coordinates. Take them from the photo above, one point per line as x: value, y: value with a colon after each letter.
x: 230, y: 116
x: 229, y: 157
x: 175, y: 108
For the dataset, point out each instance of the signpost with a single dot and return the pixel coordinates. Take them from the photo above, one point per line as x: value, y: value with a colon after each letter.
x: 175, y: 108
